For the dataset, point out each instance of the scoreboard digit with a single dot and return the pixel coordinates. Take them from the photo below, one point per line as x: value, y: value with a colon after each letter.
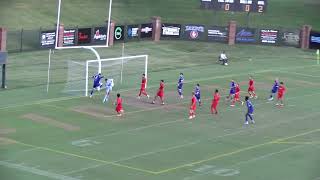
x: 258, y: 6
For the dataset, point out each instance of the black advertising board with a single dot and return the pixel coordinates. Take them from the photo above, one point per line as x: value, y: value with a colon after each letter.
x: 69, y: 37
x: 269, y: 36
x: 245, y: 35
x: 193, y: 32
x: 258, y: 6
x: 100, y: 35
x: 48, y: 39
x: 146, y: 30
x: 84, y: 35
x: 118, y: 33
x: 133, y: 31
x: 218, y: 33
x: 171, y: 30
x: 314, y: 42
x: 290, y: 38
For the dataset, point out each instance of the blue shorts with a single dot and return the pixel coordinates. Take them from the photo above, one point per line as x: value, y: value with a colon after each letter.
x: 232, y: 92
x: 95, y: 85
x: 197, y: 96
x: 274, y: 91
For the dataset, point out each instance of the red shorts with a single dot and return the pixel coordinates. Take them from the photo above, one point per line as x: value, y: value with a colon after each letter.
x: 119, y: 109
x: 193, y: 108
x: 160, y: 94
x: 214, y: 105
x: 237, y: 96
x: 251, y: 88
x: 280, y: 96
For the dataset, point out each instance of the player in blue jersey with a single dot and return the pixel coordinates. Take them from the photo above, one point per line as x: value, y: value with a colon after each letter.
x: 109, y: 85
x: 250, y: 110
x: 180, y: 85
x: 232, y: 91
x: 197, y: 93
x: 274, y: 89
x: 96, y: 83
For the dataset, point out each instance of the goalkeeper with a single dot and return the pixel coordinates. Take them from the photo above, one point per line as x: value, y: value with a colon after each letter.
x: 109, y: 86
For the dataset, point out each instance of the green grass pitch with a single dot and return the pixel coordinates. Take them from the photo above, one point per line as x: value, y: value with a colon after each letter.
x: 58, y: 136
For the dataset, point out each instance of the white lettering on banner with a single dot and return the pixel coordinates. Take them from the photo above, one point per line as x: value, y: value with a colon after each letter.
x: 195, y: 28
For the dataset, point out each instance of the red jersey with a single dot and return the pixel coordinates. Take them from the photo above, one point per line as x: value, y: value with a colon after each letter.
x: 161, y: 88
x: 281, y: 90
x: 251, y: 83
x: 237, y: 89
x: 216, y: 98
x: 193, y: 103
x: 143, y: 82
x: 119, y: 102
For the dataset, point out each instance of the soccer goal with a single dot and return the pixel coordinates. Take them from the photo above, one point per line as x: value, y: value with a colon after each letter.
x: 125, y: 71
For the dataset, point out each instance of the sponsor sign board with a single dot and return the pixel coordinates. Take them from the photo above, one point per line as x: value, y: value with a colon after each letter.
x: 245, y: 35
x: 118, y: 33
x: 69, y: 37
x: 314, y: 42
x: 217, y: 33
x: 48, y: 39
x: 193, y: 32
x: 171, y: 30
x: 269, y: 36
x: 290, y: 38
x: 133, y: 31
x: 84, y: 35
x: 146, y: 30
x: 100, y: 35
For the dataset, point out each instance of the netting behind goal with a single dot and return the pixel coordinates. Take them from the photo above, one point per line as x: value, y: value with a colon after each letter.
x: 125, y: 71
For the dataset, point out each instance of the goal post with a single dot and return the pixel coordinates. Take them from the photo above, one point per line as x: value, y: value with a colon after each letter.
x: 126, y: 72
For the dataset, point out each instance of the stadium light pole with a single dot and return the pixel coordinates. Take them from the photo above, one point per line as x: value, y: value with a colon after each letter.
x: 109, y: 19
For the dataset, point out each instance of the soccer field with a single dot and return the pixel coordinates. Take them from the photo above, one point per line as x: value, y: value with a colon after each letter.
x: 64, y: 136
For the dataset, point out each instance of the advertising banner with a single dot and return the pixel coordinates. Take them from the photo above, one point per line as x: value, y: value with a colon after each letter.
x: 69, y: 37
x: 269, y: 36
x: 314, y: 42
x: 48, y: 39
x: 84, y: 36
x: 118, y: 33
x: 290, y: 38
x: 171, y: 30
x: 217, y: 33
x: 146, y: 30
x: 100, y: 35
x: 245, y: 35
x: 193, y: 32
x: 133, y: 31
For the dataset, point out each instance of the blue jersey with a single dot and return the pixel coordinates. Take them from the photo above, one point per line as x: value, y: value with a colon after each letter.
x: 180, y: 82
x: 275, y: 87
x: 232, y: 88
x: 197, y: 92
x: 250, y: 107
x: 96, y: 80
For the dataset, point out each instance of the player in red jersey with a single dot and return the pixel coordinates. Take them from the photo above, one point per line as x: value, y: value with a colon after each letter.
x: 143, y: 87
x: 236, y: 96
x: 193, y: 107
x: 215, y: 102
x: 251, y: 88
x: 281, y: 91
x: 118, y: 103
x: 160, y: 93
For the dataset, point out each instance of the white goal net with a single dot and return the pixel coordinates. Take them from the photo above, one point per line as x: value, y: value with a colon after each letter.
x: 125, y: 71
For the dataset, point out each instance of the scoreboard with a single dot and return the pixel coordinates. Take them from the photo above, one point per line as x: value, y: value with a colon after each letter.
x: 258, y: 6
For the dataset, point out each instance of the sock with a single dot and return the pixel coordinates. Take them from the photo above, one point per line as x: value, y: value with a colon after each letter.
x: 91, y: 92
x: 106, y: 97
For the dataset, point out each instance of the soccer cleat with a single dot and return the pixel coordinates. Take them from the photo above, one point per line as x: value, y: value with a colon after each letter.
x: 148, y: 96
x: 277, y: 104
x: 252, y: 121
x: 226, y: 64
x: 256, y: 97
x: 246, y: 123
x: 153, y: 102
x: 232, y: 105
x: 242, y: 103
x: 190, y: 117
x: 162, y: 103
x: 193, y: 116
x: 251, y: 96
x: 181, y: 97
x: 270, y: 99
x: 119, y: 115
x: 90, y: 96
x: 138, y: 97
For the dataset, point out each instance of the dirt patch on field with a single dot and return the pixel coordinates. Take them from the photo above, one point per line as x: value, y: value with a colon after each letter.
x: 95, y: 111
x: 5, y: 141
x: 7, y: 131
x: 51, y: 122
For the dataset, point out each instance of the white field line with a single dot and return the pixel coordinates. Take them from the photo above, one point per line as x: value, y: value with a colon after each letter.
x: 266, y: 156
x: 44, y: 101
x: 36, y: 171
x: 244, y: 130
x: 82, y: 169
x: 181, y: 120
x: 300, y: 74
